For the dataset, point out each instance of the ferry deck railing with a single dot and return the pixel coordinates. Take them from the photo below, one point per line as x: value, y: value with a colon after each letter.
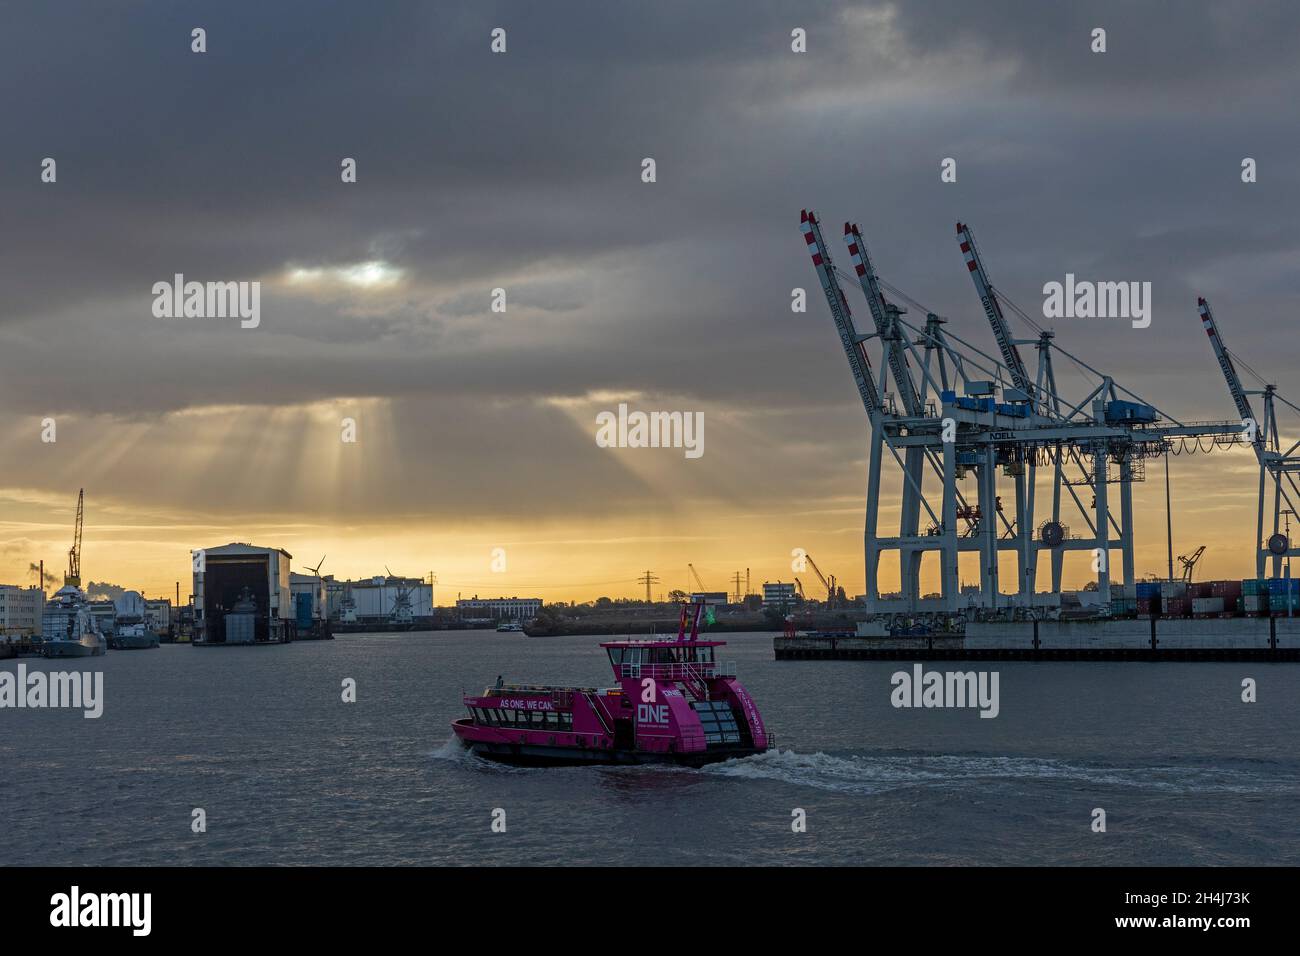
x: 679, y: 670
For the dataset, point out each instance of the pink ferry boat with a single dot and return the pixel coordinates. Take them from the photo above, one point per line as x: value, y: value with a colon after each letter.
x: 674, y: 703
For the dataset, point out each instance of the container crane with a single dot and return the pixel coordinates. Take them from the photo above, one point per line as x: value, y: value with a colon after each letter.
x: 886, y: 317
x: 1274, y: 464
x: 993, y: 311
x: 859, y: 362
x: 73, y: 577
x: 1029, y: 425
x: 1230, y: 375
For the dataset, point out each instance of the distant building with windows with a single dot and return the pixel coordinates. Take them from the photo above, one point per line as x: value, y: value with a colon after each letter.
x: 709, y: 597
x: 21, y: 610
x: 158, y: 615
x: 105, y: 612
x: 503, y: 608
x: 778, y: 594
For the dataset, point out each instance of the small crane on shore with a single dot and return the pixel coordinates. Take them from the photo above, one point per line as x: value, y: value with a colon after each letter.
x: 73, y: 576
x: 696, y: 575
x: 827, y: 583
x: 1189, y: 562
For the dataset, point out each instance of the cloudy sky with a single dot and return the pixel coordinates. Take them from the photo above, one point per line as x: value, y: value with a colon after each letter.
x: 522, y: 171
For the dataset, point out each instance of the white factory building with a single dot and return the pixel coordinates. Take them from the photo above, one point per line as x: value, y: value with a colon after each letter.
x: 376, y: 599
x: 503, y: 608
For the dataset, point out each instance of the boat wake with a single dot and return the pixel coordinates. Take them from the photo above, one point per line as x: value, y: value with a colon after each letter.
x: 453, y: 751
x: 868, y: 774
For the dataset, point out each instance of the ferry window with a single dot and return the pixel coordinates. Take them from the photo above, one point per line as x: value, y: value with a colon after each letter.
x: 538, y: 718
x: 551, y: 720
x: 616, y: 655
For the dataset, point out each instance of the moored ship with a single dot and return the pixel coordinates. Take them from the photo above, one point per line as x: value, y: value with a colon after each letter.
x: 68, y: 629
x: 674, y: 703
x: 134, y: 636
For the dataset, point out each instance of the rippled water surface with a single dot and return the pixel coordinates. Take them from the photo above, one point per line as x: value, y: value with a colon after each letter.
x: 287, y: 773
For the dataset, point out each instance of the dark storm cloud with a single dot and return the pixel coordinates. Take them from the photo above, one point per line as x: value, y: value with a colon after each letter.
x: 522, y: 171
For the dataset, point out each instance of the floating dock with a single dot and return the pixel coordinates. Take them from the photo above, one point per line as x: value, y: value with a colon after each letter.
x: 1157, y: 639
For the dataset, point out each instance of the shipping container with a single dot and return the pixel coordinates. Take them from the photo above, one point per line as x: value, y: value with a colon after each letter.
x: 1204, y: 606
x: 1278, y: 604
x: 1254, y: 604
x: 1123, y: 607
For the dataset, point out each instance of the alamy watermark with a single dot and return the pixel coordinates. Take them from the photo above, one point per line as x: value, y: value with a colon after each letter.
x: 922, y: 688
x: 1083, y: 299
x: 77, y: 909
x: 208, y: 300
x: 64, y: 690
x: 651, y: 430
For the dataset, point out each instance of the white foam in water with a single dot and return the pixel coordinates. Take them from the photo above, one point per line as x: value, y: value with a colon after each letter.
x: 867, y: 774
x: 875, y: 774
x: 452, y: 750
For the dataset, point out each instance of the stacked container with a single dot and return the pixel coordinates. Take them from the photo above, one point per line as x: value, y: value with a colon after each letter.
x: 1174, y: 601
x: 1148, y: 599
x: 1254, y: 597
x: 1207, y: 606
x: 1123, y: 607
x: 1230, y: 591
x: 1283, y: 595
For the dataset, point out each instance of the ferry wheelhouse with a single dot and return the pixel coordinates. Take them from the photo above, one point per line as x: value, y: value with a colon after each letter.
x: 674, y: 703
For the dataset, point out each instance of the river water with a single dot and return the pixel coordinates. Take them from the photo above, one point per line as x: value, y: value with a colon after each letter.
x: 286, y: 773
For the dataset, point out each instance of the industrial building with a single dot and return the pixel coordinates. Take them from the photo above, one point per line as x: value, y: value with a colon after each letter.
x: 313, y: 588
x: 381, y: 599
x: 158, y: 616
x: 499, y: 609
x: 20, y: 611
x: 778, y: 594
x: 715, y: 598
x: 248, y: 580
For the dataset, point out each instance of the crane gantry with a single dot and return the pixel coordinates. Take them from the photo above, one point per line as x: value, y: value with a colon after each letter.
x: 991, y: 414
